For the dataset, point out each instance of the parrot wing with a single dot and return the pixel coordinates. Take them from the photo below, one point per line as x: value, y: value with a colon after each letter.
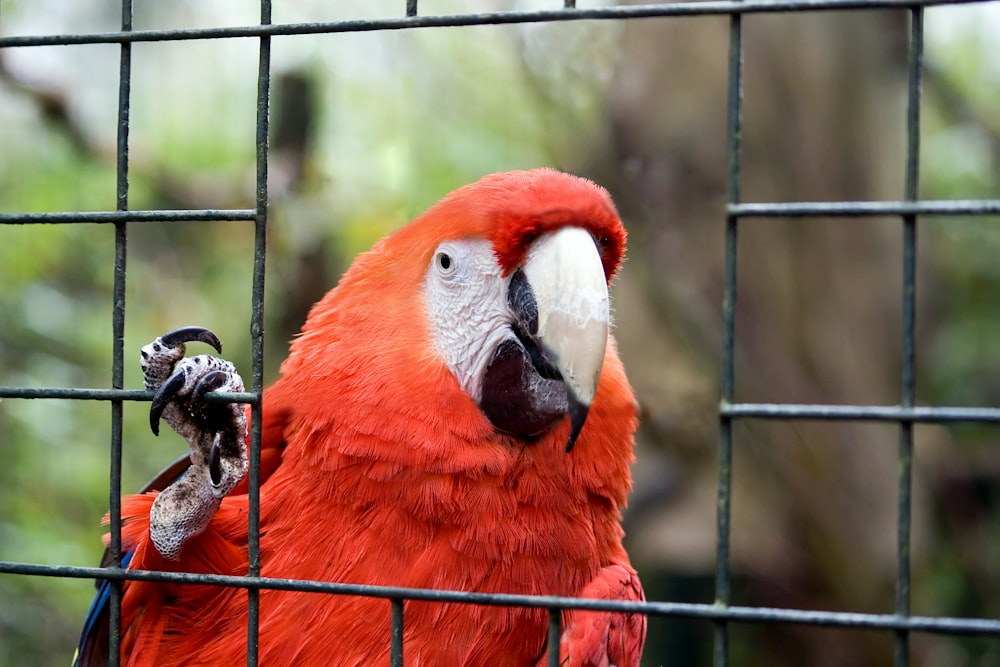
x: 603, y: 638
x: 92, y: 649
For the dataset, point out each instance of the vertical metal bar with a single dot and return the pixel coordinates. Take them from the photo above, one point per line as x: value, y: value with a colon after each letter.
x: 118, y: 336
x: 257, y: 336
x: 555, y: 630
x: 734, y: 120
x: 411, y: 7
x: 908, y: 343
x: 396, y: 634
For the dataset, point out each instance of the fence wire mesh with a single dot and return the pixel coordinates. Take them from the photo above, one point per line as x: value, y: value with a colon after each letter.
x: 722, y: 614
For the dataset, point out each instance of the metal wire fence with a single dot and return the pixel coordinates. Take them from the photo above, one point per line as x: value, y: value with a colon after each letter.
x: 722, y: 614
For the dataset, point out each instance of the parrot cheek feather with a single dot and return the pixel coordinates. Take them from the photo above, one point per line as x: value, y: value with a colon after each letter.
x: 516, y: 399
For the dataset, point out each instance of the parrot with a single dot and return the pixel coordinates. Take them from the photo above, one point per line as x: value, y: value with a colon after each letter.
x: 454, y: 415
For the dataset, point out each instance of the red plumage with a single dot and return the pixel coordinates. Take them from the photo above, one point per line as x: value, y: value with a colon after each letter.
x: 380, y: 469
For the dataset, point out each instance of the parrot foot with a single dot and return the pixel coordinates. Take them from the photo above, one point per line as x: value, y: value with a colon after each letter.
x: 215, y: 432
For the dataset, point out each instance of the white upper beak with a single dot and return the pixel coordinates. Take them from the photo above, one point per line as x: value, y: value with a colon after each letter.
x: 566, y: 274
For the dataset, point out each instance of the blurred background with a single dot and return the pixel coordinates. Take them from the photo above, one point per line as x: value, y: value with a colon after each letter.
x: 369, y: 129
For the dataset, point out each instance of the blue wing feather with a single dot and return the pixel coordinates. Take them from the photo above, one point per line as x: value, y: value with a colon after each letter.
x: 93, y: 647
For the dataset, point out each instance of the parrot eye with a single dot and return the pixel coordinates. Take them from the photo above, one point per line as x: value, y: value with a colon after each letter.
x: 445, y: 264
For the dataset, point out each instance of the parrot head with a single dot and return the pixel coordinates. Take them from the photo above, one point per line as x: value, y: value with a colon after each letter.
x: 520, y: 311
x: 512, y: 273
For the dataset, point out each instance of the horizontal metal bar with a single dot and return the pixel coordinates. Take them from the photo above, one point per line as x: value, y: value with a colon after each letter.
x: 195, y: 215
x: 753, y: 210
x: 886, y: 413
x: 865, y: 208
x: 702, y: 8
x: 714, y: 612
x: 78, y: 394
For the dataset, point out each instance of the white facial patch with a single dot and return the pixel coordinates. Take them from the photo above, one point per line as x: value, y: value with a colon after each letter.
x: 467, y: 311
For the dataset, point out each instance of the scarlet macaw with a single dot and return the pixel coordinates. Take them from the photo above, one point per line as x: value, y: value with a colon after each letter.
x: 453, y: 416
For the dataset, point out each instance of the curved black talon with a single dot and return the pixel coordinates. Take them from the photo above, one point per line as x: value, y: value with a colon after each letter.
x: 215, y: 463
x: 162, y: 398
x: 210, y: 382
x: 190, y: 335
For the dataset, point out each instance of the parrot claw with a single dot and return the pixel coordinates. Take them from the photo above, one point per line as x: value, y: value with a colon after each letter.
x: 215, y: 432
x: 211, y: 381
x: 191, y: 335
x: 162, y: 398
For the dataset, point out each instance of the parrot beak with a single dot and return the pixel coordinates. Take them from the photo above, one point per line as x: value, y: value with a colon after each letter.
x: 566, y: 277
x: 548, y: 364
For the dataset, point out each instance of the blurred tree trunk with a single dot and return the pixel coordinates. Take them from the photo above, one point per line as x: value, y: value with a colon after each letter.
x: 818, y: 314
